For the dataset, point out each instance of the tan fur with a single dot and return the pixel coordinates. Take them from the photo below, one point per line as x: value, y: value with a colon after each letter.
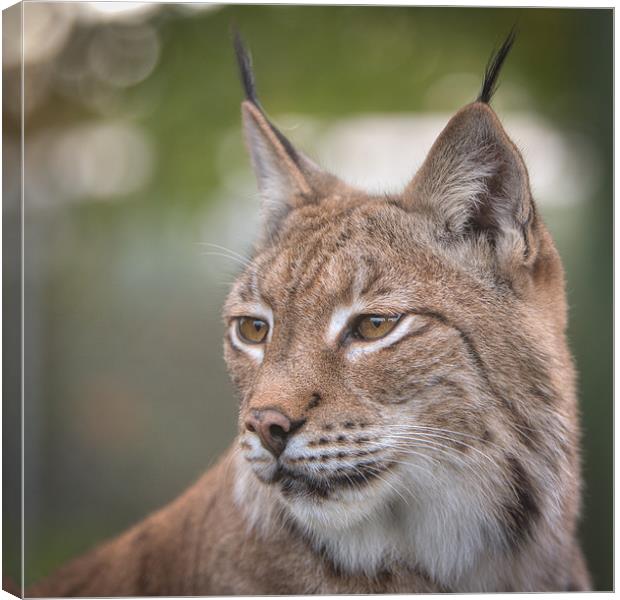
x: 446, y: 459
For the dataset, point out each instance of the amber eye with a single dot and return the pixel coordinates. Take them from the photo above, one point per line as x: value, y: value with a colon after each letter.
x: 373, y: 327
x: 252, y: 330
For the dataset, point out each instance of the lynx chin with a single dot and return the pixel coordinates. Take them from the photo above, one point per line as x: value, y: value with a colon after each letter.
x: 408, y: 419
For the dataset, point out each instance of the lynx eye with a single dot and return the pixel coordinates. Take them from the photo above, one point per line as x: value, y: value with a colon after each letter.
x: 252, y: 330
x: 373, y: 327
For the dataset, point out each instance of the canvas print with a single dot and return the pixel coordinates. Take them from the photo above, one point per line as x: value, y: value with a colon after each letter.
x: 306, y: 300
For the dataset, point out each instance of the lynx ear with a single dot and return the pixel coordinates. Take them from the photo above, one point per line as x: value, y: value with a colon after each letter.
x: 474, y: 182
x: 286, y: 178
x: 283, y: 175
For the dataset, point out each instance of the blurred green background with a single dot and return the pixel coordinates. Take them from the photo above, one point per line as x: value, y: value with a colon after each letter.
x: 134, y: 156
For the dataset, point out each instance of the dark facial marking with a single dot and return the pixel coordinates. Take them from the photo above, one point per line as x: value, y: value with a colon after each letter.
x: 415, y: 333
x: 461, y: 447
x: 469, y: 344
x: 547, y: 396
x: 523, y: 511
x: 314, y: 401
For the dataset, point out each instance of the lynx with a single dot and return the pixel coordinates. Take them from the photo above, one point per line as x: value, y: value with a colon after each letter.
x: 408, y: 418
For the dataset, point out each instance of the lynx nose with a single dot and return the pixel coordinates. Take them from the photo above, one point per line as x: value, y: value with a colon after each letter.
x: 273, y: 428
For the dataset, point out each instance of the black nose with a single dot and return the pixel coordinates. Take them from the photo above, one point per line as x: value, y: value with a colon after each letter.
x: 273, y: 428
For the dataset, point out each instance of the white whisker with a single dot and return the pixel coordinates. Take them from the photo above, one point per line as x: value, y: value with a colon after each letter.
x: 228, y: 256
x: 448, y: 431
x: 449, y: 437
x: 228, y: 250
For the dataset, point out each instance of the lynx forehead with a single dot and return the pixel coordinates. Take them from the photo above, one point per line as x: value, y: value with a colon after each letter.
x: 336, y: 278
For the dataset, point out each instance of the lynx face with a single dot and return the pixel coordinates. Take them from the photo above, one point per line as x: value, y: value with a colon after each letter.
x: 365, y: 354
x: 401, y: 360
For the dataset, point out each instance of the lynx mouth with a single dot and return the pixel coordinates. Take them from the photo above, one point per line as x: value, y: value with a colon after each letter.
x: 295, y: 483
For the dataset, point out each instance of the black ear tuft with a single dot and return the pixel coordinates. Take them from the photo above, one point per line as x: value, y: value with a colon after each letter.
x: 244, y: 60
x: 494, y: 66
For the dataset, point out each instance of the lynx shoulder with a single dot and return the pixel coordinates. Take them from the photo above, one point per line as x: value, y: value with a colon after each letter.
x: 408, y: 419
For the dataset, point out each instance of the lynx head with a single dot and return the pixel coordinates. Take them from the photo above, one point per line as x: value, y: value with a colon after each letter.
x: 401, y: 359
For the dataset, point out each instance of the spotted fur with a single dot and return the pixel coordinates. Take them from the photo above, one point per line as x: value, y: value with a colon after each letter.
x: 442, y: 457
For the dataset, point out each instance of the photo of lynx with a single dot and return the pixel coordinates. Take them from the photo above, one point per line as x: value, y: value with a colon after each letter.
x: 408, y: 419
